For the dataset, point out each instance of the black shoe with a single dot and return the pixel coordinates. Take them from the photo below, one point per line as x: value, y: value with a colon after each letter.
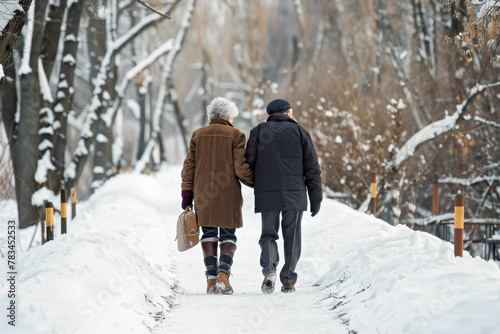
x: 288, y: 288
x: 268, y: 282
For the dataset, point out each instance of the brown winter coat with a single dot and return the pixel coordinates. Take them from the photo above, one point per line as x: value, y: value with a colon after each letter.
x: 213, y: 165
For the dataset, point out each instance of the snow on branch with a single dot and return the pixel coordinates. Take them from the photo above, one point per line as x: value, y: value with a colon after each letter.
x: 432, y: 219
x: 25, y: 67
x: 8, y: 11
x: 486, y: 121
x: 490, y: 166
x: 117, y: 45
x: 435, y: 129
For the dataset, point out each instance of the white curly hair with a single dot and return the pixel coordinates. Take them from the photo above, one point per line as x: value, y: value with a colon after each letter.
x: 222, y: 108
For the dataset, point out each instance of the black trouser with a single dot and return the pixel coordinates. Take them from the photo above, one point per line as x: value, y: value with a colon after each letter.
x: 269, y: 257
x: 219, y: 234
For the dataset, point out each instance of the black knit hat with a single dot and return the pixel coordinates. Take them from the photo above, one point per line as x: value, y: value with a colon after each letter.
x: 278, y: 105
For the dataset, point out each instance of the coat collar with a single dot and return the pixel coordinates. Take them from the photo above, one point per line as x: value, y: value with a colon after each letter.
x: 220, y: 121
x: 278, y: 117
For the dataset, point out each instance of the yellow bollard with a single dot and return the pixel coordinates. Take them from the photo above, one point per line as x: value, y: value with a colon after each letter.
x: 459, y: 224
x: 373, y: 202
x: 64, y: 219
x: 49, y: 220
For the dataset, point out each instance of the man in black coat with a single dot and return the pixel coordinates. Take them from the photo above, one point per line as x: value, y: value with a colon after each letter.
x: 285, y: 165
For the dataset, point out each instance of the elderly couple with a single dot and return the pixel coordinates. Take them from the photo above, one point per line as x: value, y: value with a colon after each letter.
x: 279, y: 162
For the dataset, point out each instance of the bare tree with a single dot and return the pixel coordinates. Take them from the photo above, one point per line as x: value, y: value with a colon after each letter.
x: 167, y: 89
x: 75, y: 168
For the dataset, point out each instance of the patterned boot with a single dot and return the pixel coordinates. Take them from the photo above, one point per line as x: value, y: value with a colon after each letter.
x: 227, y: 249
x: 209, y: 248
x: 222, y: 282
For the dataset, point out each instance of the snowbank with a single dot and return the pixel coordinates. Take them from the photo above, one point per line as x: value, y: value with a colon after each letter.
x: 385, y: 279
x: 111, y: 273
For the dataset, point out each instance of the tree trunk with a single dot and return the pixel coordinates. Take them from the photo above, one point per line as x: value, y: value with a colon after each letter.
x: 52, y: 34
x: 393, y: 45
x: 11, y: 34
x: 207, y: 91
x: 103, y: 152
x: 26, y: 152
x: 103, y: 165
x: 103, y: 158
x: 143, y: 93
x: 64, y: 95
x: 172, y: 93
x: 9, y: 105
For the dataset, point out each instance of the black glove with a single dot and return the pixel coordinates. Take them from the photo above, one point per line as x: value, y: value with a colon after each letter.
x: 315, y: 208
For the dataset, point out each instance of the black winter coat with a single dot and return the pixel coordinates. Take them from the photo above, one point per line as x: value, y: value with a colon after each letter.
x: 284, y: 161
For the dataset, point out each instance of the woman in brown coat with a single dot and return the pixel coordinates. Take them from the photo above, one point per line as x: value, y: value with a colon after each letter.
x: 213, y: 167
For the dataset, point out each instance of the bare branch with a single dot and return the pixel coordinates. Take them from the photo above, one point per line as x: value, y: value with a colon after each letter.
x: 148, y: 6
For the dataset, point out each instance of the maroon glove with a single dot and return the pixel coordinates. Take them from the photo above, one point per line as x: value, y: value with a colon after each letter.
x: 187, y: 199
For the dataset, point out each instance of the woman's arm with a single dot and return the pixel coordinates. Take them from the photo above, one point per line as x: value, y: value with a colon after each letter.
x: 187, y: 173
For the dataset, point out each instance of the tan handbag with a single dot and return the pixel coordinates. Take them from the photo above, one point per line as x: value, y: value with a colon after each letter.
x: 188, y: 231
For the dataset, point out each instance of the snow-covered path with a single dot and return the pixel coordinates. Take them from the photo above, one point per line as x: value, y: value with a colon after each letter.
x: 248, y: 310
x: 118, y: 271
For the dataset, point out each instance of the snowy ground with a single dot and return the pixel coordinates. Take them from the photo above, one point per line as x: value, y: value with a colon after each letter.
x: 118, y: 271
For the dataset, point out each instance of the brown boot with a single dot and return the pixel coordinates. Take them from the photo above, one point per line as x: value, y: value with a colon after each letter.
x: 227, y: 249
x: 222, y: 282
x: 210, y: 258
x: 211, y: 287
x: 288, y: 288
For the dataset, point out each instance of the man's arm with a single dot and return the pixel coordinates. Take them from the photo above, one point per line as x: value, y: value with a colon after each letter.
x: 312, y: 172
x: 241, y: 167
x: 251, y: 151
